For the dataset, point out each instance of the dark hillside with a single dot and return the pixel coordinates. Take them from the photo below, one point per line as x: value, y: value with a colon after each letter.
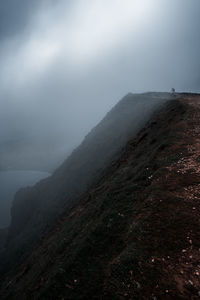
x: 135, y: 233
x: 3, y: 235
x: 35, y: 210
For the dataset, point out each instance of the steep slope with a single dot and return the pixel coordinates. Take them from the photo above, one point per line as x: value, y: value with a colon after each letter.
x: 135, y: 234
x: 3, y: 234
x: 36, y: 209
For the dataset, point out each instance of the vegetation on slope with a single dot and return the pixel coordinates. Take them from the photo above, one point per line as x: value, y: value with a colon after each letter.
x: 135, y: 234
x: 35, y: 209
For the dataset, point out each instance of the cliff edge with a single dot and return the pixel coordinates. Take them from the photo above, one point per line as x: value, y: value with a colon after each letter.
x: 135, y: 233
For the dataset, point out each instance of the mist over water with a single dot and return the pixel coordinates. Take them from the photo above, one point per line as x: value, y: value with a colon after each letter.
x: 64, y: 64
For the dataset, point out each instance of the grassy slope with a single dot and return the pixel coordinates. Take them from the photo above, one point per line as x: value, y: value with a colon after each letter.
x: 36, y: 209
x: 134, y: 235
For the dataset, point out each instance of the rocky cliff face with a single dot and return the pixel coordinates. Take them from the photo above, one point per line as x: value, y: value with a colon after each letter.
x: 36, y: 209
x: 135, y: 233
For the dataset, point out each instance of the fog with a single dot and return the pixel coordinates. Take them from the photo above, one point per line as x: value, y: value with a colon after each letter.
x: 64, y: 65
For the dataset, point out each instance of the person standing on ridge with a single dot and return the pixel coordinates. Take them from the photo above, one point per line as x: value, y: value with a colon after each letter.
x: 173, y: 92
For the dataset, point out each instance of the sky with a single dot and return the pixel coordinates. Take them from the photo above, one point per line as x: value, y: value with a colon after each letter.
x: 65, y: 63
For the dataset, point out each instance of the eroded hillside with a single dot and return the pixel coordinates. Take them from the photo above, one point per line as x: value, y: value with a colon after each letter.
x: 36, y: 209
x: 135, y: 233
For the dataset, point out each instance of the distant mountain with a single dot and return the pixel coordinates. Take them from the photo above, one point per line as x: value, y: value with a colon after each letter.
x: 36, y: 209
x: 135, y: 233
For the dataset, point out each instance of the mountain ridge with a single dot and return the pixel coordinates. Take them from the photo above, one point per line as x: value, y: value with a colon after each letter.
x: 135, y: 233
x: 36, y: 209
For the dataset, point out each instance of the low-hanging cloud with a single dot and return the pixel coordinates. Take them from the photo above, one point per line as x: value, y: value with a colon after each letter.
x: 66, y: 64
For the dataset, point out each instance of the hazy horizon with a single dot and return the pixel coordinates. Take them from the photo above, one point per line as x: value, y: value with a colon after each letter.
x: 65, y: 64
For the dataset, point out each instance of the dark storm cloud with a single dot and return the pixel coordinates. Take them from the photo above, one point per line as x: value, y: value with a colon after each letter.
x: 64, y: 65
x: 15, y: 16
